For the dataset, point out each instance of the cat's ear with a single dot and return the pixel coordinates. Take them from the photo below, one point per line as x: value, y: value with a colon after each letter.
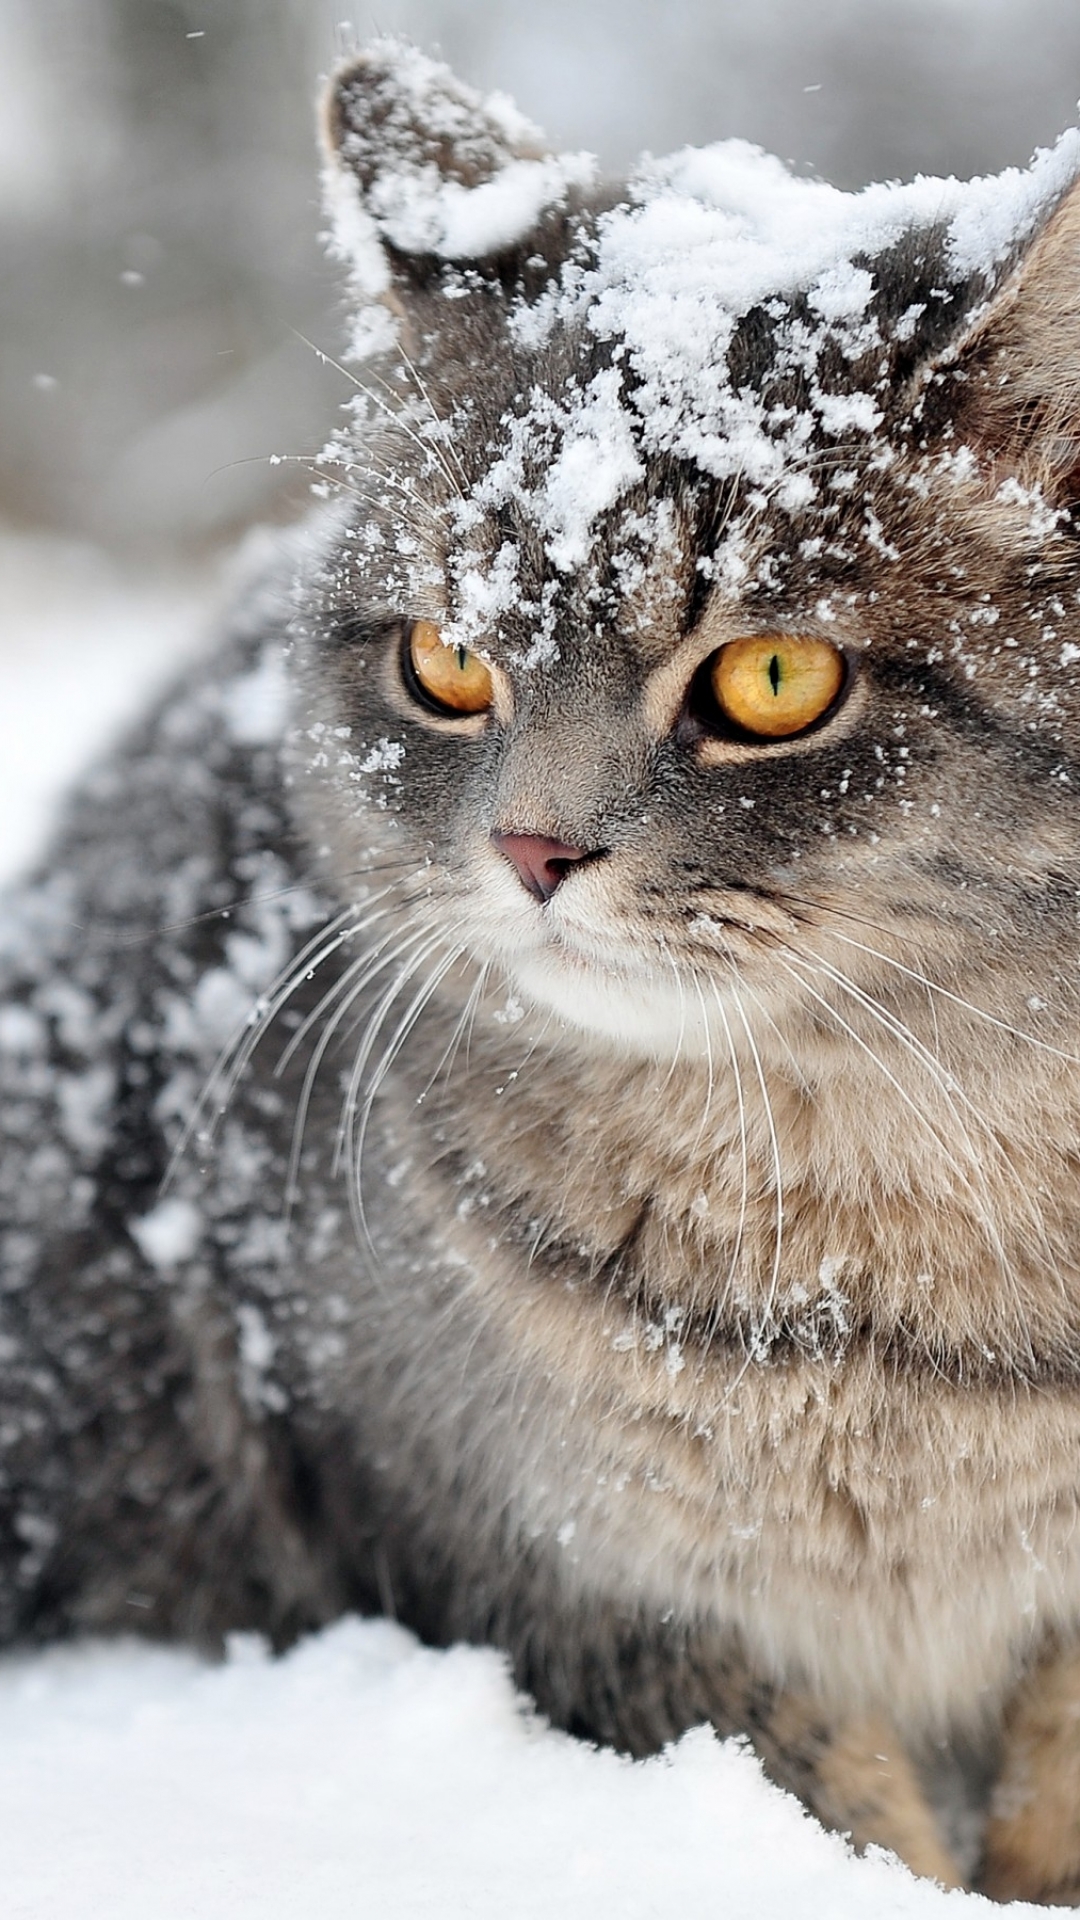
x: 1017, y: 401
x: 426, y: 174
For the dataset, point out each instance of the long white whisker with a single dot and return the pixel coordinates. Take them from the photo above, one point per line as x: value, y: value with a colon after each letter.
x: 952, y: 1092
x: 535, y: 1044
x: 345, y: 1143
x: 332, y: 463
x: 429, y: 446
x: 312, y: 1019
x: 463, y: 1021
x: 798, y: 1070
x: 709, y: 1085
x: 797, y: 971
x: 392, y: 411
x: 356, y: 1134
x: 418, y: 524
x: 677, y: 1053
x: 964, y: 1175
x: 900, y: 1030
x: 225, y: 1073
x: 946, y: 993
x: 744, y: 1187
x: 374, y: 1021
x: 397, y: 1040
x: 350, y: 987
x: 436, y: 420
x: 778, y: 1174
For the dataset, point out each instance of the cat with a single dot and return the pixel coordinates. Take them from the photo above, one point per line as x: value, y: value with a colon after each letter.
x: 540, y: 1089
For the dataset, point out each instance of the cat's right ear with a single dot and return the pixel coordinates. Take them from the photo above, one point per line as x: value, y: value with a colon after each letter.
x: 427, y: 178
x: 1019, y: 402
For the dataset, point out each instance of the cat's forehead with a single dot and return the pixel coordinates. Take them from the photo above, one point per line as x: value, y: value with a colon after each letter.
x: 634, y: 579
x: 721, y: 342
x: 714, y: 310
x: 602, y: 413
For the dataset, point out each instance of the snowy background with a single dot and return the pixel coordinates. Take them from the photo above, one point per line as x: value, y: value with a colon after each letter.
x: 158, y: 227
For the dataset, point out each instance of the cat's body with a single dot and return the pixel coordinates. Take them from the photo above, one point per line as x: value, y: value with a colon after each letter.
x: 639, y: 1223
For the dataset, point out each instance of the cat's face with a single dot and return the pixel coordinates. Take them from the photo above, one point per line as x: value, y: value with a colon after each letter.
x: 688, y: 674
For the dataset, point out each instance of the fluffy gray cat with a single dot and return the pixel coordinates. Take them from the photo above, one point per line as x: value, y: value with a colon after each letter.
x: 540, y: 1093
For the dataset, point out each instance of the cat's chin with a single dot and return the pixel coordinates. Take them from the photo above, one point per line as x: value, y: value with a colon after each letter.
x: 630, y: 1012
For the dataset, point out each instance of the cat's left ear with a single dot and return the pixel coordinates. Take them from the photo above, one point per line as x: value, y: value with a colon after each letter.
x: 425, y: 173
x: 1018, y: 399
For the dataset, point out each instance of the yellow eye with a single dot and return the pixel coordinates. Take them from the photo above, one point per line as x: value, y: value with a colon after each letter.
x: 775, y: 685
x: 452, y: 677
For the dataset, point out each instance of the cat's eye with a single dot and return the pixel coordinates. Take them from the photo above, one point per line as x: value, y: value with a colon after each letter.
x: 450, y: 678
x: 773, y: 685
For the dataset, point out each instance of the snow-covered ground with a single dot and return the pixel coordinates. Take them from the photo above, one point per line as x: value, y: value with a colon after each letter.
x: 362, y: 1777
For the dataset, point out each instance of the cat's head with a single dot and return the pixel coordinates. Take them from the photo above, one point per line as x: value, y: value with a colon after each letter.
x: 700, y: 609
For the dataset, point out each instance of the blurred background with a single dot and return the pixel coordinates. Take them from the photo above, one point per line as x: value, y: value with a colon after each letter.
x: 159, y: 230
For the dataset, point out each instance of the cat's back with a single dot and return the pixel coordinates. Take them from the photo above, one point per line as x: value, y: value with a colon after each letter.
x: 173, y: 895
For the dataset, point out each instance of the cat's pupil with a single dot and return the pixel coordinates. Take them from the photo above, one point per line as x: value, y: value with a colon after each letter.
x: 461, y: 655
x: 774, y: 673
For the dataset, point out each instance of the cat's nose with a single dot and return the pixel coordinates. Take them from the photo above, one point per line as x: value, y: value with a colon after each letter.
x: 542, y: 864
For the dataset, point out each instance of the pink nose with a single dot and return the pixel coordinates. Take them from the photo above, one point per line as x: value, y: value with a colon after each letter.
x: 542, y: 864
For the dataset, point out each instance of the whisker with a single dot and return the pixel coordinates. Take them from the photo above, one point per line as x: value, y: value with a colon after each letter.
x: 354, y: 1134
x: 778, y: 1174
x: 424, y: 942
x: 351, y: 985
x: 232, y: 908
x: 708, y: 1061
x: 418, y: 524
x: 934, y: 986
x: 799, y: 1074
x: 393, y: 412
x: 744, y: 1186
x: 677, y: 1052
x: 231, y: 1063
x: 227, y: 1069
x: 437, y: 421
x: 985, y: 1212
x: 401, y: 1033
x: 296, y: 1041
x: 381, y: 473
x: 373, y: 1022
x: 952, y: 1092
x: 397, y: 416
x: 465, y: 1019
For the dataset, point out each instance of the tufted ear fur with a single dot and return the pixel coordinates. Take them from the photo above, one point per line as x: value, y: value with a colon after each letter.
x: 426, y: 174
x: 1019, y: 367
x: 393, y: 111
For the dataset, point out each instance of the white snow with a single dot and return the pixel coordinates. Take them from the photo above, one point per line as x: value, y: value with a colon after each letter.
x: 364, y: 1777
x: 463, y: 223
x: 168, y: 1234
x: 700, y: 240
x: 410, y: 204
x: 257, y: 705
x: 711, y: 233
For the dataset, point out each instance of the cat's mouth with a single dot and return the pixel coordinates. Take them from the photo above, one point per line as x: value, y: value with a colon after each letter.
x: 617, y: 975
x: 609, y: 1000
x: 604, y: 987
